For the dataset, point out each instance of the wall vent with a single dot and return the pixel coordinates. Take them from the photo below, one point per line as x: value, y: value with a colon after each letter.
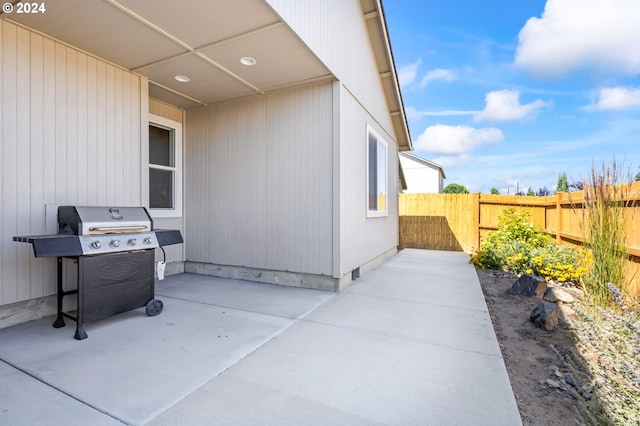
x: 355, y: 274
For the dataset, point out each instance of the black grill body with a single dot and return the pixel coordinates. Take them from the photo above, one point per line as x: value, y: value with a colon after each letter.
x: 115, y: 277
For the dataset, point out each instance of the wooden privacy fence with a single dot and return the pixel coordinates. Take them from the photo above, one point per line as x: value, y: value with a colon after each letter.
x: 439, y: 221
x: 460, y: 222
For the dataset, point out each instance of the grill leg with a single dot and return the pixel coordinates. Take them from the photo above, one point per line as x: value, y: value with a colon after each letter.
x: 59, y: 322
x: 80, y: 333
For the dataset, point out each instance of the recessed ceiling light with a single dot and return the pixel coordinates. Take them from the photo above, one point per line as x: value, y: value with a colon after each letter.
x: 248, y: 61
x: 182, y: 78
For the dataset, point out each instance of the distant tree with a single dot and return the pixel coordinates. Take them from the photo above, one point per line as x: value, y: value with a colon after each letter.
x: 563, y: 183
x: 521, y: 193
x: 637, y: 178
x: 543, y: 192
x: 455, y: 188
x: 494, y: 191
x: 577, y: 186
x: 530, y: 192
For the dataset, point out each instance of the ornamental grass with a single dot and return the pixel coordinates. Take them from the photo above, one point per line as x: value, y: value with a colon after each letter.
x: 604, y: 206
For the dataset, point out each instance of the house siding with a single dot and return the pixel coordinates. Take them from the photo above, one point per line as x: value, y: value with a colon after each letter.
x: 363, y: 238
x: 70, y: 134
x: 162, y: 109
x: 258, y: 187
x: 336, y: 31
x: 174, y: 254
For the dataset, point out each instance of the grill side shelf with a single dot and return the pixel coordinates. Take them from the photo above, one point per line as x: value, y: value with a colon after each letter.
x: 167, y: 237
x: 52, y: 245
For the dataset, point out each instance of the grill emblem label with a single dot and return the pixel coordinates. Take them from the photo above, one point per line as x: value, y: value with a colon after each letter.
x: 119, y: 269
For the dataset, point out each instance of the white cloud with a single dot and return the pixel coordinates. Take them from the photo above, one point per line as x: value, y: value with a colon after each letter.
x: 572, y: 34
x: 413, y: 113
x: 617, y: 98
x: 407, y: 74
x: 437, y: 74
x: 443, y: 139
x: 454, y: 160
x: 504, y: 105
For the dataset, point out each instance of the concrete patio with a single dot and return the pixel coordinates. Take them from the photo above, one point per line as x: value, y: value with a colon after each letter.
x: 409, y: 343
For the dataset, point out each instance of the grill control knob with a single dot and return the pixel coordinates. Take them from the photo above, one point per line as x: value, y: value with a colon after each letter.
x: 147, y: 241
x: 95, y: 245
x: 132, y: 242
x: 115, y: 243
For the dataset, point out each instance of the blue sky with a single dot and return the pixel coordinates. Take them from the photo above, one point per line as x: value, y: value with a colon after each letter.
x: 511, y: 93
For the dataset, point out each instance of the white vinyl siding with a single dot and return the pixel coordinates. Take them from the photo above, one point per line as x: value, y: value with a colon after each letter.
x: 362, y: 238
x: 174, y: 253
x: 70, y: 134
x: 341, y: 40
x: 259, y: 182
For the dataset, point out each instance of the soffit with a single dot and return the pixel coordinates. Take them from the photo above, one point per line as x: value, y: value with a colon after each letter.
x: 202, y: 39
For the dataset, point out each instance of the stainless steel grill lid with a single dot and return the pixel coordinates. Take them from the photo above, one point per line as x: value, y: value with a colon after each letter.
x: 77, y: 220
x: 86, y: 231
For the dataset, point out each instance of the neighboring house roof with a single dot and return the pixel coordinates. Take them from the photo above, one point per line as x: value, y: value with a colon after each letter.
x: 403, y: 179
x: 424, y: 162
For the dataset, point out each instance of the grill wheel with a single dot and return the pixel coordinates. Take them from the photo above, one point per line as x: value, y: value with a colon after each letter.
x: 154, y: 307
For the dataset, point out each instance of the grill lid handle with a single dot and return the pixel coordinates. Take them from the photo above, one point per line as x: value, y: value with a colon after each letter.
x: 116, y: 228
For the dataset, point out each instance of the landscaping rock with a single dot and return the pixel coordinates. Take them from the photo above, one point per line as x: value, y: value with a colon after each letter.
x: 530, y: 286
x: 555, y: 294
x: 569, y: 378
x: 566, y: 313
x: 587, y: 388
x: 545, y: 315
x: 499, y: 274
x: 552, y: 383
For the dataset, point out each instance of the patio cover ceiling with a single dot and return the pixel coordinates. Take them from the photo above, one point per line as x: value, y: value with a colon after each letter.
x: 201, y: 39
x: 204, y: 40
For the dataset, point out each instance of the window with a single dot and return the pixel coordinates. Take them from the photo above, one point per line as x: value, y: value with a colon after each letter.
x: 165, y: 167
x: 376, y: 174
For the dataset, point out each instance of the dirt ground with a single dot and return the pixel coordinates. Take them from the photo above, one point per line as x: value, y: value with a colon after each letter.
x: 550, y: 385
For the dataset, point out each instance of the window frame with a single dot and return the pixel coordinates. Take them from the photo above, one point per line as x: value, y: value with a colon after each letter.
x: 176, y: 128
x: 379, y: 141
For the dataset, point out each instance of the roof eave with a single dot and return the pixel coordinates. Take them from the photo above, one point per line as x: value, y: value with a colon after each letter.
x: 398, y: 114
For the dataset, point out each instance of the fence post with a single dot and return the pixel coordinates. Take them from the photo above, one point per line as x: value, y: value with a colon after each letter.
x: 475, y: 227
x: 559, y: 218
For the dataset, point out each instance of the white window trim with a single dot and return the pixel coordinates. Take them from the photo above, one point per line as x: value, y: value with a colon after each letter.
x: 377, y: 213
x: 176, y: 211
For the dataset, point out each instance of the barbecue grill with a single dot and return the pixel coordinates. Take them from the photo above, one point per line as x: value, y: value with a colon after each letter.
x: 113, y: 250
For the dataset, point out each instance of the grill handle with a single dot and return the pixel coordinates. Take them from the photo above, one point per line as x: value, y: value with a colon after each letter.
x: 117, y: 228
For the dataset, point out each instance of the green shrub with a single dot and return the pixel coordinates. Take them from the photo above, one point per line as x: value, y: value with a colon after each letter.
x: 515, y: 226
x: 520, y: 247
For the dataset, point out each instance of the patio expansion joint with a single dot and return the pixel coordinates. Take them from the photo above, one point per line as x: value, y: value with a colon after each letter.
x: 415, y: 302
x: 62, y: 391
x: 400, y: 338
x: 294, y: 318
